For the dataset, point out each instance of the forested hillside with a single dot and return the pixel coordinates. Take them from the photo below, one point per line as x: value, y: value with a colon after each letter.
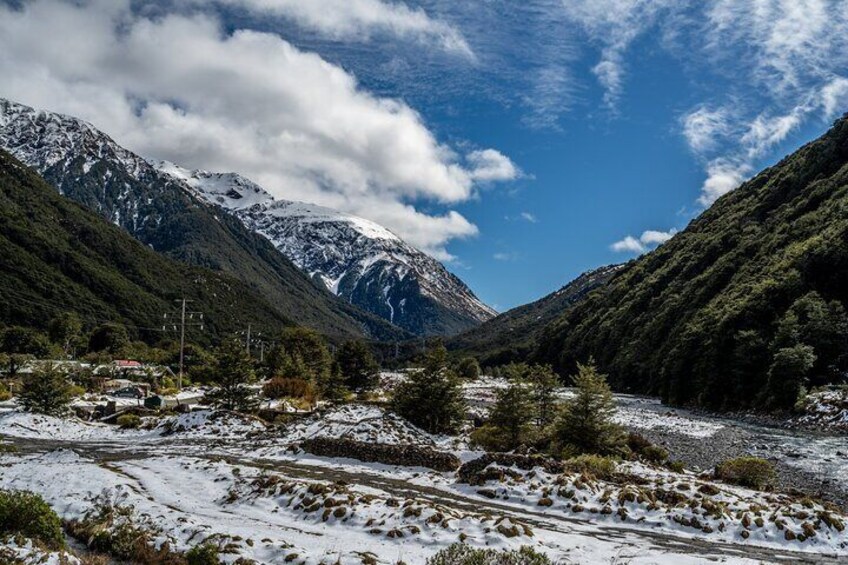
x: 743, y: 307
x: 59, y: 257
x: 512, y: 335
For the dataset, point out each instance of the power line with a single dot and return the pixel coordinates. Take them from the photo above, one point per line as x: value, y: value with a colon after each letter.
x: 182, y: 321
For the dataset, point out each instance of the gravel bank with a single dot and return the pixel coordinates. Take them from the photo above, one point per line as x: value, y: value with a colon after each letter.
x: 704, y: 453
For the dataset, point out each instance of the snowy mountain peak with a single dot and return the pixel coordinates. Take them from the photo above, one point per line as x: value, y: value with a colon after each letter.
x: 353, y: 257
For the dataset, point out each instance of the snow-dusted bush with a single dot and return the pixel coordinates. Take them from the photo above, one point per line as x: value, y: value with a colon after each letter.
x: 746, y: 471
x: 461, y: 554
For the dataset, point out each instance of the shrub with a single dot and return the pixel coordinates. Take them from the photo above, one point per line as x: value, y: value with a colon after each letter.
x: 751, y: 472
x: 676, y: 466
x: 461, y: 554
x: 637, y: 442
x: 129, y: 421
x: 468, y: 368
x: 281, y: 387
x: 4, y: 392
x: 206, y: 554
x: 75, y: 391
x: 25, y: 513
x: 654, y: 454
x: 595, y: 465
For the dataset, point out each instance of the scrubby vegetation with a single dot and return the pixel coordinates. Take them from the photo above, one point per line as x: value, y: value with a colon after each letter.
x: 45, y: 391
x: 26, y: 514
x: 461, y: 554
x: 595, y: 466
x: 746, y: 471
x: 129, y: 421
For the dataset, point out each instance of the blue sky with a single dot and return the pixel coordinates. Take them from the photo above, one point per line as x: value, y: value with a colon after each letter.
x: 521, y: 143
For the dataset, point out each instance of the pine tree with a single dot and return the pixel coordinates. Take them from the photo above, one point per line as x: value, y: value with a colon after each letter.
x: 432, y: 398
x: 45, y: 391
x: 585, y: 424
x: 543, y: 384
x: 233, y: 371
x: 356, y: 366
x: 510, y: 423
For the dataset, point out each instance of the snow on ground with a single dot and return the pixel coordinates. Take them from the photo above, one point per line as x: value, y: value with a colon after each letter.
x: 270, y: 517
x: 827, y: 409
x: 24, y: 552
x: 635, y: 416
x: 648, y: 498
x: 360, y: 423
x: 193, y: 425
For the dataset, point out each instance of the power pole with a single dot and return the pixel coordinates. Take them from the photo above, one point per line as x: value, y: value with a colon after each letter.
x: 247, y: 342
x: 181, y: 313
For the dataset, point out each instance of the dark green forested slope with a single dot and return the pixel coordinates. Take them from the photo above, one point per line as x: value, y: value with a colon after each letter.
x: 56, y: 256
x: 740, y: 308
x: 512, y: 335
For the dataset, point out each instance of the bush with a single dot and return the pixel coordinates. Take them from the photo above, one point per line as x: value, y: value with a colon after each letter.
x: 4, y: 392
x: 75, y: 391
x: 461, y: 554
x: 654, y: 454
x: 26, y: 514
x: 746, y: 471
x: 281, y: 387
x: 676, y: 466
x: 637, y: 442
x: 206, y: 554
x: 595, y: 465
x: 468, y: 368
x: 129, y: 421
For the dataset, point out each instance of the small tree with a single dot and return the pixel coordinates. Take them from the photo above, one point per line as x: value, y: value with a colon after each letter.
x: 432, y: 399
x: 357, y: 367
x: 788, y: 373
x: 65, y: 330
x: 585, y: 424
x: 468, y: 368
x: 45, y: 391
x: 233, y: 371
x: 509, y: 424
x: 301, y: 353
x: 543, y: 384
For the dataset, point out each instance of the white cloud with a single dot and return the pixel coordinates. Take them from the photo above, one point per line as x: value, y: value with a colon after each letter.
x: 648, y: 240
x: 505, y: 256
x: 248, y: 102
x: 722, y: 176
x: 614, y: 24
x: 491, y: 165
x: 359, y: 19
x: 629, y: 244
x: 704, y: 127
x: 527, y: 216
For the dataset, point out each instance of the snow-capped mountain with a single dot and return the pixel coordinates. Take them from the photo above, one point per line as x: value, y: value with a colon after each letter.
x: 164, y: 212
x: 356, y: 259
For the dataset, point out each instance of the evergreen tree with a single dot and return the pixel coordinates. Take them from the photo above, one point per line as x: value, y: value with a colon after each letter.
x: 543, y: 384
x: 45, y: 391
x: 509, y: 424
x: 468, y: 368
x: 585, y: 424
x: 356, y: 366
x: 432, y: 398
x: 301, y: 353
x: 233, y: 371
x: 788, y: 374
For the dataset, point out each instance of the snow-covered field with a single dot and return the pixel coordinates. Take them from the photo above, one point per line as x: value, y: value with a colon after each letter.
x: 222, y: 477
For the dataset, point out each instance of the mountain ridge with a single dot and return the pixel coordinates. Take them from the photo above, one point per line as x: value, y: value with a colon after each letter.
x: 87, y: 166
x: 354, y: 258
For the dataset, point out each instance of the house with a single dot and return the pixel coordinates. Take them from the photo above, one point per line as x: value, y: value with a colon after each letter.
x: 127, y: 369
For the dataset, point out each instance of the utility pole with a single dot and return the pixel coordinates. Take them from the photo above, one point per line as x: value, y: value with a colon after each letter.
x: 247, y: 341
x: 181, y: 313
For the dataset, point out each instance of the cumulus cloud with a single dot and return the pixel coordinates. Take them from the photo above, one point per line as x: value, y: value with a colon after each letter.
x: 243, y: 101
x: 359, y: 19
x: 491, y: 165
x: 704, y: 127
x: 647, y: 241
